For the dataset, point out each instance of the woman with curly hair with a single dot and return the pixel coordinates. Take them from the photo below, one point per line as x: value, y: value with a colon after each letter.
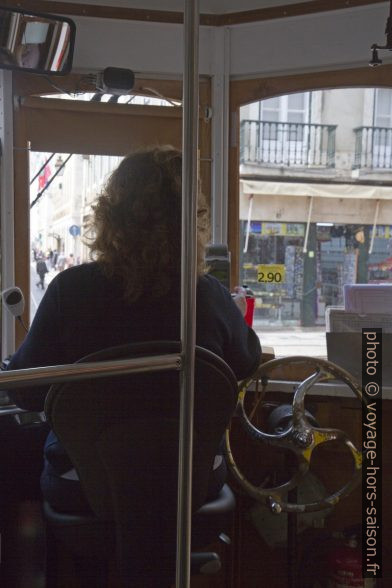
x: 130, y: 292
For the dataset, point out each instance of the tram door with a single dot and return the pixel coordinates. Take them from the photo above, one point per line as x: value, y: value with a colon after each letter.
x: 68, y: 148
x: 74, y: 145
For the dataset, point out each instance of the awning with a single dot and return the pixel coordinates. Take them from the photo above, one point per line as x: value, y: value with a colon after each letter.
x: 289, y: 202
x: 357, y: 191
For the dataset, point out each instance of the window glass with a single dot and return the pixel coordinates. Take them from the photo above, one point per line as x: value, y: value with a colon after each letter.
x: 63, y: 189
x: 383, y: 111
x: 271, y: 104
x: 315, y: 208
x: 296, y: 101
x: 295, y: 117
x: 383, y: 133
x: 123, y: 99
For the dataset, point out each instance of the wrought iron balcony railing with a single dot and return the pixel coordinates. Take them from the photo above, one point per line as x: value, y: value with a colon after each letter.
x: 373, y: 148
x: 287, y: 144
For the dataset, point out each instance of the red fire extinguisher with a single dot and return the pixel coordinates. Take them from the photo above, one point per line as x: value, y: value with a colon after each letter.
x: 344, y: 566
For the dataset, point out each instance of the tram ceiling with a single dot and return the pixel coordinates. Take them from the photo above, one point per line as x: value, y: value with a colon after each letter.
x: 273, y: 37
x: 212, y: 12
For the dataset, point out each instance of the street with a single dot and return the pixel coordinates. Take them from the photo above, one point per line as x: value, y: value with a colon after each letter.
x: 36, y: 292
x: 288, y: 341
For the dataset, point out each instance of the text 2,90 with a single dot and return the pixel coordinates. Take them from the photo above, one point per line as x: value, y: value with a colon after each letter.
x: 271, y: 273
x: 269, y: 277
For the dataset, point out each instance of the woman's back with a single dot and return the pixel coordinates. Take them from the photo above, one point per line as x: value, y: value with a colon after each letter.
x: 84, y: 311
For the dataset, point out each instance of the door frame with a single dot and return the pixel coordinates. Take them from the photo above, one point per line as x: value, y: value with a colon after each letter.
x: 45, y: 124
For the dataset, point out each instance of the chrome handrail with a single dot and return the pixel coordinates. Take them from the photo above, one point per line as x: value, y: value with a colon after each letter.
x: 53, y: 374
x: 11, y: 409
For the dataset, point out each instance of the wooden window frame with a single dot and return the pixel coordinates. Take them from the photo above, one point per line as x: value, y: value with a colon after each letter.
x: 245, y: 91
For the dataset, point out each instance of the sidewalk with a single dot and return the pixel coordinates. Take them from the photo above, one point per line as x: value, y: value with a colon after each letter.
x: 293, y: 340
x: 36, y: 293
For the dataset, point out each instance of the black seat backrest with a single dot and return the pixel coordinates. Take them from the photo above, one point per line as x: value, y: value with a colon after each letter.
x: 121, y: 433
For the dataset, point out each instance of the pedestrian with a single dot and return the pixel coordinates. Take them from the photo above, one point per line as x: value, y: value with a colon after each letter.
x: 70, y: 262
x: 54, y: 259
x: 41, y: 271
x: 60, y: 265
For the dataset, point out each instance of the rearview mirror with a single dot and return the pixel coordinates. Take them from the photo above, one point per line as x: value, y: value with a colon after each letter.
x: 36, y: 42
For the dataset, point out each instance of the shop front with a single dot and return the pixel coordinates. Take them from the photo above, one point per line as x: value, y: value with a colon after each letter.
x: 300, y: 243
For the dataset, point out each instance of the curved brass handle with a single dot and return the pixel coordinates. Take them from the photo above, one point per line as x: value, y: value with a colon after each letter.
x: 301, y: 437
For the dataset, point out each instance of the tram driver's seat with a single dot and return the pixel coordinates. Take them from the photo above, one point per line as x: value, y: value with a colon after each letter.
x: 121, y: 433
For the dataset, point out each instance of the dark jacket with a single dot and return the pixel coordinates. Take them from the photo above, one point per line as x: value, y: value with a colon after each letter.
x: 41, y: 267
x: 82, y: 312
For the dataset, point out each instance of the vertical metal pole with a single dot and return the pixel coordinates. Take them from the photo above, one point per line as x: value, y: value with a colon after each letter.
x: 374, y: 226
x: 248, y: 223
x: 7, y: 206
x: 305, y: 247
x: 188, y: 285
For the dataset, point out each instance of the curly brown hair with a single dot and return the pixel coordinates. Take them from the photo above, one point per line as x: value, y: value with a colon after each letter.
x: 137, y: 223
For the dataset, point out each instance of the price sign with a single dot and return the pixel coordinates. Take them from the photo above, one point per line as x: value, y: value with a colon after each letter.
x: 273, y: 273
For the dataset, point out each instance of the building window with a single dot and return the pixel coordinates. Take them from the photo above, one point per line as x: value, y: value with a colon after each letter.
x: 383, y: 107
x: 277, y: 131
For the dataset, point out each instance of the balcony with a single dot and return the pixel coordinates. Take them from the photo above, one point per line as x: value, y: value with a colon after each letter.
x: 373, y: 148
x: 287, y: 144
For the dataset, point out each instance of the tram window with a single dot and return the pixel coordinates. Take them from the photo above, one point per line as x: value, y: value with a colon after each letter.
x: 124, y: 99
x: 59, y: 218
x: 314, y: 213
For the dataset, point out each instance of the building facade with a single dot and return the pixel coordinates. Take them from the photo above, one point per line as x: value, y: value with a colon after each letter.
x: 315, y: 199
